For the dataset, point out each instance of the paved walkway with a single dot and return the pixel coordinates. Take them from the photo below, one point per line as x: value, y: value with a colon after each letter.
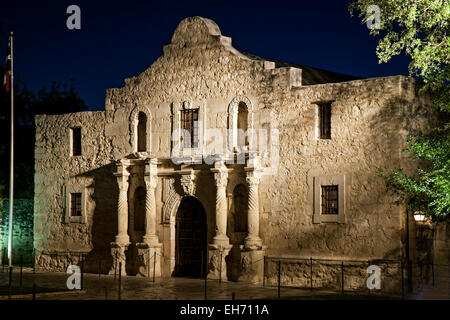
x: 136, y: 288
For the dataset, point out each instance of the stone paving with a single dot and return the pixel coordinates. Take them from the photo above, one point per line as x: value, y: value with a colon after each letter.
x: 135, y: 288
x: 105, y: 287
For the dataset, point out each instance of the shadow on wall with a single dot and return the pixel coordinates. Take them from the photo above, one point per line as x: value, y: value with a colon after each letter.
x: 104, y: 220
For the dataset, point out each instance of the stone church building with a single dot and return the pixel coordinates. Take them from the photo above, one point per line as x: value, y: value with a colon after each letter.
x: 212, y: 159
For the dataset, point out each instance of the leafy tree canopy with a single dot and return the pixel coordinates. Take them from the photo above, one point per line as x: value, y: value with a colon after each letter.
x: 420, y: 29
x: 57, y: 99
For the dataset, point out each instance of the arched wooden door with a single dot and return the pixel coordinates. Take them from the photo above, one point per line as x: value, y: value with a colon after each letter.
x: 190, y: 241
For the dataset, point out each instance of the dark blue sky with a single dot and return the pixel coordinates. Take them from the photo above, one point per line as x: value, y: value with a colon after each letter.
x: 121, y: 39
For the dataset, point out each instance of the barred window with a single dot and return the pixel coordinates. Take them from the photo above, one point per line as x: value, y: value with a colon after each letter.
x: 325, y: 120
x: 330, y: 200
x: 189, y: 126
x: 76, y: 141
x: 75, y: 204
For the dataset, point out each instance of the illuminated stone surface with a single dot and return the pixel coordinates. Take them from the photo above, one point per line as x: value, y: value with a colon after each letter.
x: 200, y: 69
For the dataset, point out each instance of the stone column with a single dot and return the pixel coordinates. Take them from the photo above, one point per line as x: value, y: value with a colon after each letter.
x: 220, y: 247
x: 253, y: 239
x: 122, y: 239
x: 252, y: 252
x: 151, y: 181
x: 149, y: 250
x: 221, y: 179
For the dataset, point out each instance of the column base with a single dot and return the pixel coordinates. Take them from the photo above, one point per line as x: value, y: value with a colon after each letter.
x: 252, y: 264
x: 118, y: 254
x: 253, y: 242
x: 217, y: 266
x: 149, y: 259
x: 151, y: 240
x: 221, y: 240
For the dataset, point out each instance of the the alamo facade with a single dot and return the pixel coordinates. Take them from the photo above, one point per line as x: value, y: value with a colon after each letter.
x: 223, y: 155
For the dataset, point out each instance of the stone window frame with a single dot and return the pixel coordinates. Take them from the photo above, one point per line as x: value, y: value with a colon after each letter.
x: 232, y: 116
x: 134, y: 122
x: 327, y: 180
x: 176, y: 110
x: 75, y: 189
x: 317, y: 132
x: 71, y: 133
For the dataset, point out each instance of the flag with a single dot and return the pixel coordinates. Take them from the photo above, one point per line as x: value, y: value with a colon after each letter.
x: 7, y: 76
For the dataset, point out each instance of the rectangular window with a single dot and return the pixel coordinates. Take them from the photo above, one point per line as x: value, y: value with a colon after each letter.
x: 325, y: 120
x: 76, y: 141
x: 75, y: 205
x: 330, y: 202
x: 189, y: 126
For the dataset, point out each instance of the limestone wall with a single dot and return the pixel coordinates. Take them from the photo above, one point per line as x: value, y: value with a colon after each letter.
x: 22, y: 232
x: 369, y: 123
x: 200, y: 68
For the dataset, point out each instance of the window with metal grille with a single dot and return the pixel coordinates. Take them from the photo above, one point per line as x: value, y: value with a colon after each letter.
x: 75, y: 205
x: 76, y: 141
x: 189, y: 126
x: 325, y: 120
x: 330, y: 202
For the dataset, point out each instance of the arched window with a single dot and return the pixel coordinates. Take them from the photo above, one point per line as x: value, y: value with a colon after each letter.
x: 242, y: 124
x: 139, y: 209
x: 142, y: 132
x: 240, y: 202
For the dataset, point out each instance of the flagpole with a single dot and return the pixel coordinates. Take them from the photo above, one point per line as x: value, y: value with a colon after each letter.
x: 11, y: 169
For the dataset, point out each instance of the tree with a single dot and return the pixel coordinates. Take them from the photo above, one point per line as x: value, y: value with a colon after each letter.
x: 59, y: 98
x: 420, y: 29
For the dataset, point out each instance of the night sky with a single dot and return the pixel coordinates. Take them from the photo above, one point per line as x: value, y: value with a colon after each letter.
x: 121, y: 39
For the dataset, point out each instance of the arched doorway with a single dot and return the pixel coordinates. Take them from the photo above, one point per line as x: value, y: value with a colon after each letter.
x: 190, y: 239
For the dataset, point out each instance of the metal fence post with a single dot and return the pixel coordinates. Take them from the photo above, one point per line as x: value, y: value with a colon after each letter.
x: 342, y: 276
x: 120, y: 279
x: 220, y: 269
x: 154, y: 266
x: 279, y: 277
x: 21, y: 270
x: 403, y: 282
x: 205, y: 271
x: 10, y: 281
x: 148, y: 264
x: 82, y: 271
x: 432, y: 272
x: 115, y: 267
x: 264, y: 272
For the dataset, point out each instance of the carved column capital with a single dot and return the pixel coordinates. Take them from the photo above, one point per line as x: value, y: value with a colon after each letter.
x: 252, y: 181
x: 221, y: 179
x: 187, y: 182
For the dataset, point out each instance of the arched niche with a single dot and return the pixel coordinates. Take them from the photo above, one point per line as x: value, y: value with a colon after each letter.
x: 140, y: 129
x: 240, y: 124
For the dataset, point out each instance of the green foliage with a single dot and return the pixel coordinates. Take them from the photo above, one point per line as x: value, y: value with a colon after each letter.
x: 419, y: 28
x: 428, y: 190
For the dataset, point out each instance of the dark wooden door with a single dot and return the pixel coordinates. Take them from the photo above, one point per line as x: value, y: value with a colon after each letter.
x: 190, y: 238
